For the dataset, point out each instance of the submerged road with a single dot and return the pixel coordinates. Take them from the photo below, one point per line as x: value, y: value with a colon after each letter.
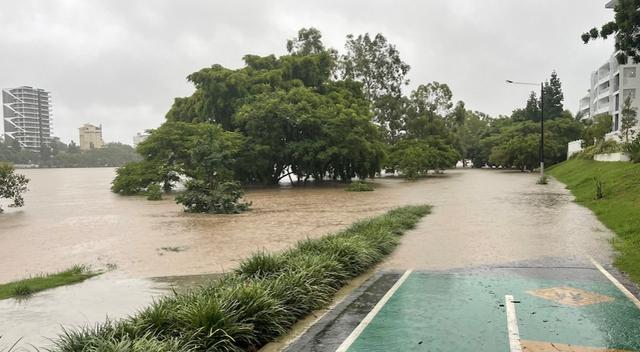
x: 502, y: 264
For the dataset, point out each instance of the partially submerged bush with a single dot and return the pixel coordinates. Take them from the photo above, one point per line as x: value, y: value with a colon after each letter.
x: 256, y: 303
x: 154, y: 192
x: 359, y: 186
x: 134, y: 178
x: 221, y: 198
x: 12, y: 185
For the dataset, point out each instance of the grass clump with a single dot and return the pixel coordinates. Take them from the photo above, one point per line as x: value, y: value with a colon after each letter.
x: 27, y: 287
x: 618, y: 209
x: 257, y: 302
x: 359, y: 186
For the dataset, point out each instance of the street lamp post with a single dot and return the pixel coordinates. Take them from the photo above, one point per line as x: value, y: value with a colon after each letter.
x: 541, y: 152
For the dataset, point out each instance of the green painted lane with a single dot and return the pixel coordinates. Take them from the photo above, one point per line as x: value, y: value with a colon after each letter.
x: 465, y: 312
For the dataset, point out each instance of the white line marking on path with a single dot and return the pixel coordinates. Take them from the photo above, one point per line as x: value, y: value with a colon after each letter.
x: 363, y: 324
x: 616, y: 283
x: 512, y: 325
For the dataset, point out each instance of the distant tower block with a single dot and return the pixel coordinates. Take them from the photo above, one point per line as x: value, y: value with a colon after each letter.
x: 27, y: 117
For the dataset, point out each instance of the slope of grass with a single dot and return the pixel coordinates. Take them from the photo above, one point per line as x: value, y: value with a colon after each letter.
x: 27, y: 287
x: 257, y: 302
x: 619, y: 209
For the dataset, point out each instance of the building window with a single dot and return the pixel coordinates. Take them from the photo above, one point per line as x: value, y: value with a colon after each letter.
x: 629, y: 72
x: 629, y: 93
x: 616, y: 121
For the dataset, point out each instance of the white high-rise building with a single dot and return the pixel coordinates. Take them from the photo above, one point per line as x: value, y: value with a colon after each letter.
x: 611, y: 84
x: 27, y: 117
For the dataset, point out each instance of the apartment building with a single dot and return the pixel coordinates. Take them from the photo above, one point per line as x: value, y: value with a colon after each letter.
x: 90, y: 137
x: 611, y: 84
x: 27, y: 117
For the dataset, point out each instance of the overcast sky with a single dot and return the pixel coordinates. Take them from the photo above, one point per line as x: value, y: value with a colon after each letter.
x: 120, y: 63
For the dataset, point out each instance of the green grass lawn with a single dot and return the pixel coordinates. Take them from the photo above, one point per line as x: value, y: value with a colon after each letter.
x: 26, y: 287
x: 619, y: 209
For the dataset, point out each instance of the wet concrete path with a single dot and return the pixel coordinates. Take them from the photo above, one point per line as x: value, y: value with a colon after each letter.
x: 495, y: 235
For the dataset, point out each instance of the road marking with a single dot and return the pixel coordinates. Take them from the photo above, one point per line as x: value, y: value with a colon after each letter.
x: 512, y: 325
x: 616, y: 283
x: 363, y: 324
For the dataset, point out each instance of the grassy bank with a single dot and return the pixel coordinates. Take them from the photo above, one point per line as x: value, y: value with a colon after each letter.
x: 619, y: 209
x: 26, y: 287
x: 257, y: 302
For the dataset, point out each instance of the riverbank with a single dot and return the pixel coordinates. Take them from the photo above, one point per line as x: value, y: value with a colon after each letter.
x: 619, y: 209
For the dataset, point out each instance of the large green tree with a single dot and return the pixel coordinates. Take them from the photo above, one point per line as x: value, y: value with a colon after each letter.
x: 625, y: 27
x: 272, y: 118
x: 553, y: 98
x: 428, y: 140
x: 377, y: 64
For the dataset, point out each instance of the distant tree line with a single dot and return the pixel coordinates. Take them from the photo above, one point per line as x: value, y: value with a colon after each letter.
x: 60, y: 154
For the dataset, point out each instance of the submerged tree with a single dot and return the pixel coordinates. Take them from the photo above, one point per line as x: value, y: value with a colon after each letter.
x: 12, y: 185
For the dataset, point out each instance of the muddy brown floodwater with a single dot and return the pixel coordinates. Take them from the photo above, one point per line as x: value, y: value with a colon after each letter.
x: 480, y: 217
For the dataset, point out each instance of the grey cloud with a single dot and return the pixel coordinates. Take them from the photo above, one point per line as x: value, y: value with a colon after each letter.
x: 120, y: 63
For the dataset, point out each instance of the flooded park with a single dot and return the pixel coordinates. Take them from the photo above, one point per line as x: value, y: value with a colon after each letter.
x: 480, y: 217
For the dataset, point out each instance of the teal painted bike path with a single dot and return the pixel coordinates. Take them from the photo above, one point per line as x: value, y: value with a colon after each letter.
x: 465, y: 312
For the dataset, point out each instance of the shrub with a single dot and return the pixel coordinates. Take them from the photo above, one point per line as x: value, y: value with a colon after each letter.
x: 359, y: 186
x: 223, y: 198
x: 256, y: 303
x: 603, y: 147
x: 154, y: 192
x: 633, y: 149
x: 599, y: 194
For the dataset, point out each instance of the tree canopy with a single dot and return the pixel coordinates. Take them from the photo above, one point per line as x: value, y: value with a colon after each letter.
x: 12, y: 185
x: 624, y: 28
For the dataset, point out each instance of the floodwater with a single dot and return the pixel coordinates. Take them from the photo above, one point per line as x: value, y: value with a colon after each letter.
x: 480, y: 217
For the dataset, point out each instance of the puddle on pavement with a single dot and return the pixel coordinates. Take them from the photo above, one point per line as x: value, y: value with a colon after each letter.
x: 37, y: 319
